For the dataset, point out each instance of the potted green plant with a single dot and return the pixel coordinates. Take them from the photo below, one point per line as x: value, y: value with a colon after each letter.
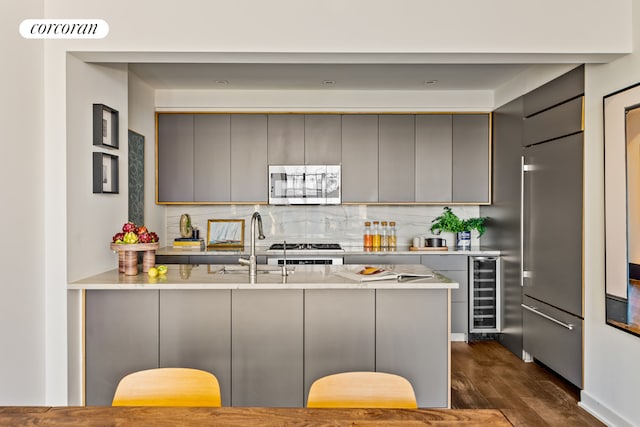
x: 450, y: 222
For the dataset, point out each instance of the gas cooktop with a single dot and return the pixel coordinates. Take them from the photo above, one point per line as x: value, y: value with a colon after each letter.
x: 306, y: 247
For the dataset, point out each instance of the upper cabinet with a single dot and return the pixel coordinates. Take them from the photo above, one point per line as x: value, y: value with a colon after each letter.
x: 386, y: 158
x: 360, y: 158
x: 249, y: 158
x: 322, y: 139
x: 396, y: 168
x: 285, y: 139
x: 471, y: 159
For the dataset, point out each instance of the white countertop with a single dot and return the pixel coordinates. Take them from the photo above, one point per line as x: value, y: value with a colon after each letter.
x: 347, y: 250
x: 303, y: 277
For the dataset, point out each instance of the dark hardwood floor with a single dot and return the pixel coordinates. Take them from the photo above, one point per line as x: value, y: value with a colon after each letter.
x: 484, y: 374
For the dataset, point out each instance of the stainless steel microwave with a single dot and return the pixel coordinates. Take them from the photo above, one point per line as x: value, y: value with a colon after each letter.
x: 304, y: 184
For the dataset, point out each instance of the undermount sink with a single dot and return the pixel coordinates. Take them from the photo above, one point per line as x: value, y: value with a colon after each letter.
x: 262, y: 269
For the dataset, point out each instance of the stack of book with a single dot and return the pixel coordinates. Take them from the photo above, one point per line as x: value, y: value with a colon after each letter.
x: 188, y: 243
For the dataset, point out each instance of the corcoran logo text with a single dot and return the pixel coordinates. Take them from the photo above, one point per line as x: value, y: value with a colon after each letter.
x: 64, y: 29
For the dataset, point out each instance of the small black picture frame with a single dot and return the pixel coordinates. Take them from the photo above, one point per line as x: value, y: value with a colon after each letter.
x: 105, y: 126
x: 105, y: 173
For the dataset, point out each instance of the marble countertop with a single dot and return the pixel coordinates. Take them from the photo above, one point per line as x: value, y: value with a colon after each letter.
x: 186, y: 276
x: 347, y: 250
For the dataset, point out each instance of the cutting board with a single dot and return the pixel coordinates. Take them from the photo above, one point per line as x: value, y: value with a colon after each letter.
x: 427, y: 248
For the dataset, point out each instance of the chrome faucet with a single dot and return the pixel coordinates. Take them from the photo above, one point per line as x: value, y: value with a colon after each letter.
x: 251, y: 262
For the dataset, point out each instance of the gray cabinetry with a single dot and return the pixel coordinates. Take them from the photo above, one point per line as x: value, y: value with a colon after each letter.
x: 322, y: 139
x: 249, y: 158
x: 121, y: 337
x: 455, y: 267
x: 553, y: 337
x: 381, y: 258
x: 339, y: 332
x: 471, y: 158
x: 360, y: 158
x: 396, y: 180
x: 267, y: 348
x: 433, y: 158
x: 410, y: 340
x: 212, y: 158
x: 286, y: 143
x: 195, y: 332
x: 175, y: 158
x: 564, y: 119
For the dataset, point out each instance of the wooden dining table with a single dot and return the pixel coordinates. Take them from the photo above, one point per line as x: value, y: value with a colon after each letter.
x: 245, y: 416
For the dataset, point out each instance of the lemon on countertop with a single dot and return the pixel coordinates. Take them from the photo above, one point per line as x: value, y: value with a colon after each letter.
x: 153, y: 272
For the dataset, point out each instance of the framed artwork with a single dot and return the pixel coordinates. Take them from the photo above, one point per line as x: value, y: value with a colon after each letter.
x: 105, y: 126
x: 621, y: 114
x: 105, y: 173
x: 225, y: 233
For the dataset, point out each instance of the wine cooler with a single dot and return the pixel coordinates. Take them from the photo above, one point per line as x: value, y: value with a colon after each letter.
x: 484, y: 295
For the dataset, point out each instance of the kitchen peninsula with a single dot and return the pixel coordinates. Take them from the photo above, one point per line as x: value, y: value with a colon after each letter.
x: 267, y: 341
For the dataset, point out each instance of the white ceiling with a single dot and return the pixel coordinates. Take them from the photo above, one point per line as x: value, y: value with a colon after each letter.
x: 283, y: 76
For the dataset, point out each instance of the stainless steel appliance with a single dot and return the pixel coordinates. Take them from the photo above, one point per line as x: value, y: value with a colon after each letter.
x: 552, y: 255
x: 485, y: 313
x: 304, y: 184
x: 301, y: 253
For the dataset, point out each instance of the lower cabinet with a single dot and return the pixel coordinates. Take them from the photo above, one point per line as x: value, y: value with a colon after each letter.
x: 410, y: 339
x: 455, y: 267
x: 121, y: 330
x: 339, y: 331
x: 195, y: 332
x: 267, y: 348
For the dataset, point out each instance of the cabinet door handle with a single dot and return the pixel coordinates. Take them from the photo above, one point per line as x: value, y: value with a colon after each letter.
x: 569, y: 326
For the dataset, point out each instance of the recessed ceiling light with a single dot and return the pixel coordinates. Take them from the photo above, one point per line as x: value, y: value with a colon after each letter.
x: 222, y: 82
x: 328, y: 82
x: 430, y: 82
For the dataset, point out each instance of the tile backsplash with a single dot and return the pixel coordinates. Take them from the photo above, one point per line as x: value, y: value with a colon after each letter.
x: 343, y: 224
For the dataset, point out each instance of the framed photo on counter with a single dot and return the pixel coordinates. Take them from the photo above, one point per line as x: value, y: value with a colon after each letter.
x: 225, y: 233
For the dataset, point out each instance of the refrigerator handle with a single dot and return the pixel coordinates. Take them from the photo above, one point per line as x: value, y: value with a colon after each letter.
x: 522, y: 167
x: 569, y: 326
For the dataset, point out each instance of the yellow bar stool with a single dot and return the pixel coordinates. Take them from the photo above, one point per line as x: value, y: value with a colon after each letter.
x: 168, y: 387
x: 362, y: 390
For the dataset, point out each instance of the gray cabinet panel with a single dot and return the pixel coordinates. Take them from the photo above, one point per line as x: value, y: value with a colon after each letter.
x: 172, y: 259
x: 339, y: 333
x: 121, y: 337
x: 505, y: 212
x: 249, y: 158
x: 445, y: 262
x: 565, y: 119
x: 381, y: 258
x: 212, y: 158
x: 434, y: 161
x: 286, y: 139
x: 322, y: 139
x: 396, y: 180
x: 175, y: 172
x: 557, y: 346
x: 411, y: 341
x: 455, y: 267
x: 267, y: 348
x: 567, y: 86
x: 195, y: 332
x: 554, y: 185
x: 471, y: 158
x: 360, y: 158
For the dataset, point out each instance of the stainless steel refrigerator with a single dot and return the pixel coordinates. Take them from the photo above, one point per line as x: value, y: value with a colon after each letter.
x: 552, y: 236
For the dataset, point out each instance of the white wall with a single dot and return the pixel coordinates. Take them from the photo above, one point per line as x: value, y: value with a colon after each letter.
x: 142, y: 120
x: 22, y: 288
x: 611, y: 356
x: 33, y: 362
